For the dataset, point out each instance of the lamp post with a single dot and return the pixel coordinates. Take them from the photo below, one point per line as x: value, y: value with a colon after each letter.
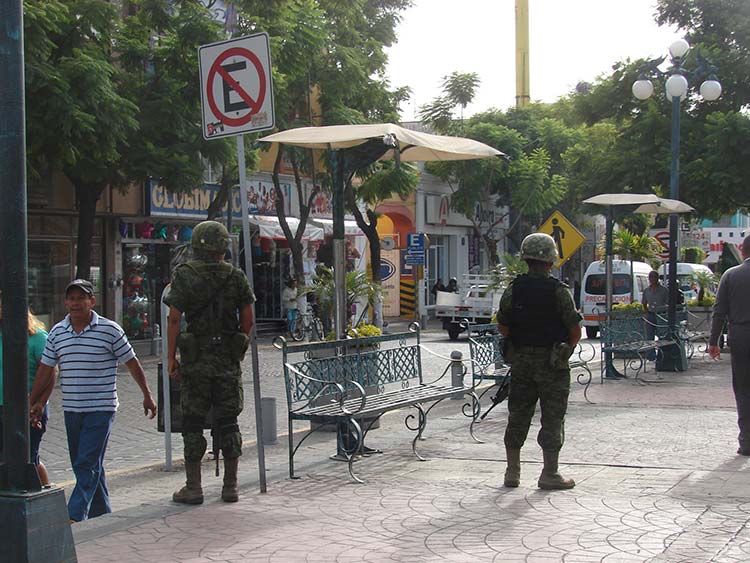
x: 676, y: 86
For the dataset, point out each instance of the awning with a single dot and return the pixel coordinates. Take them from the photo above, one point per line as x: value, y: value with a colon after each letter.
x: 350, y: 227
x: 270, y: 228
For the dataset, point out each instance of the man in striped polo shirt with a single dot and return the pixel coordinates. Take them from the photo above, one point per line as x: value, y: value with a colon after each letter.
x: 87, y: 349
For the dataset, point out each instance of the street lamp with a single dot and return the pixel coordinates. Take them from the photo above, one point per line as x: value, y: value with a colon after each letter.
x: 676, y: 86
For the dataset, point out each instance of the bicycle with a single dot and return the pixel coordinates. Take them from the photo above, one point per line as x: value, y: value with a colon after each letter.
x: 308, y: 324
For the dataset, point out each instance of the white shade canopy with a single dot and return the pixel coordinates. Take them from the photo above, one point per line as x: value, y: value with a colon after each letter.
x: 350, y: 227
x: 269, y: 227
x: 646, y: 203
x: 414, y: 145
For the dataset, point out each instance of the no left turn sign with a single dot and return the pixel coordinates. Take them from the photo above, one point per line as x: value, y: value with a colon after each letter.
x: 236, y: 86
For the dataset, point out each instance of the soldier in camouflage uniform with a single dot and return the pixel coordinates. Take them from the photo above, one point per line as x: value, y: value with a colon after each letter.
x: 539, y: 319
x: 217, y: 302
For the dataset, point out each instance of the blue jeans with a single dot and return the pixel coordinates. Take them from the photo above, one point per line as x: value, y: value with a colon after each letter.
x: 88, y: 434
x: 291, y: 319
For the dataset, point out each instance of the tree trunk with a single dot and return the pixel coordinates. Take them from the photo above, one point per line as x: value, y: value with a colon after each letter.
x: 371, y: 232
x: 86, y: 198
x: 491, y: 248
x: 222, y: 196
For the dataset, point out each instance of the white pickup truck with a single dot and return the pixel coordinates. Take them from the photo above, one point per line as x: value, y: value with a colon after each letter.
x: 476, y: 301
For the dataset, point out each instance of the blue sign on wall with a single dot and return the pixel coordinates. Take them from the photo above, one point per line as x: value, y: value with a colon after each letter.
x: 415, y: 243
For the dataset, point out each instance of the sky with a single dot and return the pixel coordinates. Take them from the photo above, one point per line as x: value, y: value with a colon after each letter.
x: 570, y: 41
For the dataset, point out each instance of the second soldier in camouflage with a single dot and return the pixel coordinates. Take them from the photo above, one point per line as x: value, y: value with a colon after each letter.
x: 538, y: 317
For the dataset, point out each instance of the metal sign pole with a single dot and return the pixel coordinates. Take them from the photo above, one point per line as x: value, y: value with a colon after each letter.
x: 166, y: 409
x: 253, y: 334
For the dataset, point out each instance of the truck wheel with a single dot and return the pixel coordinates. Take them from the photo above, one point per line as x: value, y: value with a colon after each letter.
x: 591, y: 331
x: 454, y: 331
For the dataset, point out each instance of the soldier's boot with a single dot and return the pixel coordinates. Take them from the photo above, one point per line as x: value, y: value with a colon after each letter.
x: 550, y: 479
x: 513, y: 470
x: 191, y: 493
x: 229, y: 490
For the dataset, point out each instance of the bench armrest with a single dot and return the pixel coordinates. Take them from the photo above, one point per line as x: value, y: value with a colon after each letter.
x: 341, y: 396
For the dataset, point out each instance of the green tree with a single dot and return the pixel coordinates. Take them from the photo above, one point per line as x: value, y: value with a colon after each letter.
x: 113, y: 98
x: 629, y: 246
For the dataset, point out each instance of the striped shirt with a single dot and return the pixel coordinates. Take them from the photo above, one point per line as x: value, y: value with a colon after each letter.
x: 88, y: 362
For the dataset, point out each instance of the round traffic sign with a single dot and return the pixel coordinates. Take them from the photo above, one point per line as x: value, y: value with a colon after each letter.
x: 254, y: 106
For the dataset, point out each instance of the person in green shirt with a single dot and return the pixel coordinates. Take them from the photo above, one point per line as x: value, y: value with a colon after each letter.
x: 37, y: 340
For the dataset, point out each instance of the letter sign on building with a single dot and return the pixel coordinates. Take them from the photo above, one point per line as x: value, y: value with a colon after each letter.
x: 236, y: 87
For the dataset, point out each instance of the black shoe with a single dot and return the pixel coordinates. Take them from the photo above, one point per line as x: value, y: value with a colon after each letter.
x: 743, y: 451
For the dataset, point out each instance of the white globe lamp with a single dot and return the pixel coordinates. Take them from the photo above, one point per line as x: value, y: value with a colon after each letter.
x: 677, y: 86
x: 711, y: 90
x: 643, y: 88
x: 679, y: 49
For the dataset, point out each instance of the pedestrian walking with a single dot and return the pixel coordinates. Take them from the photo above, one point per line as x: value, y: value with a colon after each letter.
x: 732, y: 306
x: 217, y: 302
x: 87, y: 349
x: 36, y: 342
x: 538, y: 319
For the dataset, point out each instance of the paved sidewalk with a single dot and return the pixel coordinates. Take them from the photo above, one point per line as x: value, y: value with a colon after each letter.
x: 658, y: 480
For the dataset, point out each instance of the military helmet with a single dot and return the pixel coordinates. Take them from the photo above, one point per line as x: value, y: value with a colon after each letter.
x: 210, y: 236
x: 539, y: 246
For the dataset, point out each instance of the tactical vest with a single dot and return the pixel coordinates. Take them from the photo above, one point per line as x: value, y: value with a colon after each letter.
x: 211, y: 315
x: 535, y: 317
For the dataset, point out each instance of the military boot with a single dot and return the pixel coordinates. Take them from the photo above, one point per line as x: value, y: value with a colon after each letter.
x: 229, y: 490
x: 191, y: 493
x: 513, y: 470
x: 550, y: 479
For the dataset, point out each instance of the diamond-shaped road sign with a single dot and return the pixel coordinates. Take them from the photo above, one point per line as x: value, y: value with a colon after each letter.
x: 236, y: 87
x: 567, y: 237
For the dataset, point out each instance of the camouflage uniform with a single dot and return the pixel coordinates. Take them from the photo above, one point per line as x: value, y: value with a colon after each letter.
x: 210, y: 293
x: 534, y: 377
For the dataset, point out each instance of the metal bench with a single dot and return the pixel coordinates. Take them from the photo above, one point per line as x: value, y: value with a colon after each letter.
x: 353, y: 382
x: 624, y: 335
x: 695, y: 330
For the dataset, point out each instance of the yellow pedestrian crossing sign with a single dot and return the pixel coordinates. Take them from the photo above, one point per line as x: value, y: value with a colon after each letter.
x: 567, y: 237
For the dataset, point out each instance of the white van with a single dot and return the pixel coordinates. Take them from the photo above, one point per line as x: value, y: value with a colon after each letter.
x: 594, y: 288
x: 685, y: 278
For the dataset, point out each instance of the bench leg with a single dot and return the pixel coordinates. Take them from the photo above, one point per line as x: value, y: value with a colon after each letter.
x: 585, y: 378
x: 419, y: 429
x: 291, y: 450
x: 351, y: 451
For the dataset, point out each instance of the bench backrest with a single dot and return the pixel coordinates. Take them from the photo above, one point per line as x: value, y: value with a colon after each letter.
x: 622, y: 328
x: 485, y: 349
x: 374, y: 362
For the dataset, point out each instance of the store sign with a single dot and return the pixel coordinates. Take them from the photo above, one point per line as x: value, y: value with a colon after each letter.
x: 439, y: 212
x: 192, y: 204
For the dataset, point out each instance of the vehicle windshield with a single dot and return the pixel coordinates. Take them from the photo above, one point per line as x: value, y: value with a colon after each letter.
x: 596, y: 284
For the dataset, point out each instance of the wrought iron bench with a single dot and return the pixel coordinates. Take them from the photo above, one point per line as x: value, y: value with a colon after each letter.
x: 624, y: 335
x: 695, y: 330
x: 353, y: 382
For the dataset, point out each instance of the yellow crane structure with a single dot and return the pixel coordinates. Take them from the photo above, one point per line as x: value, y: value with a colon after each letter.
x: 523, y: 92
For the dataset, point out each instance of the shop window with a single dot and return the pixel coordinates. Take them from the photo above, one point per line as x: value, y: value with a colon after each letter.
x: 146, y: 271
x: 51, y: 267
